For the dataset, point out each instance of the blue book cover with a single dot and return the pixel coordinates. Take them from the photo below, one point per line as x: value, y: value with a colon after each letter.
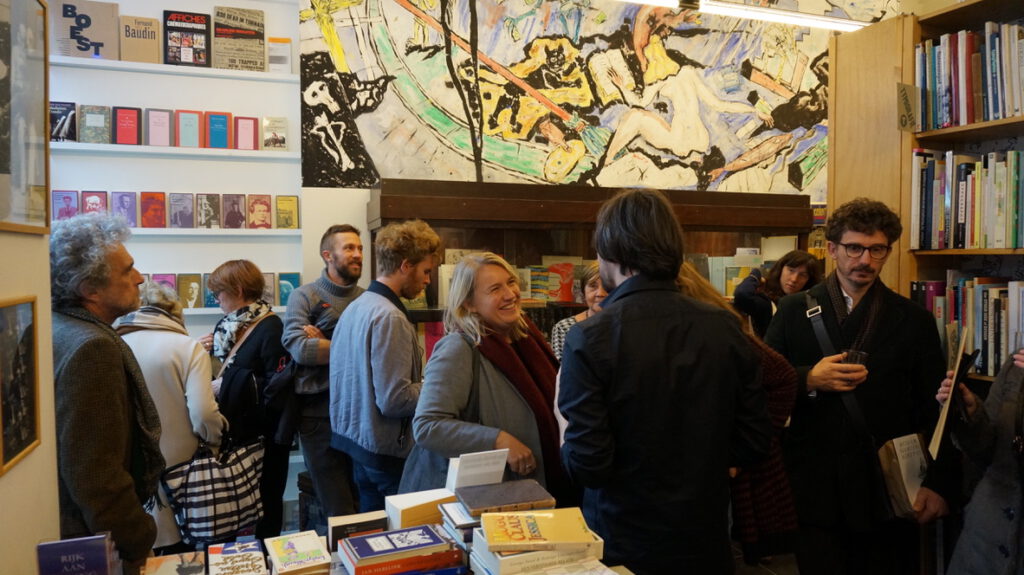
x: 82, y: 556
x: 218, y: 130
x: 417, y: 540
x: 287, y: 282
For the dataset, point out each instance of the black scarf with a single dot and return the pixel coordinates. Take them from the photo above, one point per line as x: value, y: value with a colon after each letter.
x: 873, y: 299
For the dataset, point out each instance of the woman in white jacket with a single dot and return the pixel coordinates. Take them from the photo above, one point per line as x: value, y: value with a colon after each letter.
x: 177, y: 371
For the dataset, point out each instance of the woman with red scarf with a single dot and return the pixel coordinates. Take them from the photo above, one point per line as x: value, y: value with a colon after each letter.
x: 489, y: 384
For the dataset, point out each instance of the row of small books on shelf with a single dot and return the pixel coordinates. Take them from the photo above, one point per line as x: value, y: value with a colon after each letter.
x: 229, y: 38
x: 193, y: 290
x: 962, y: 200
x: 97, y: 124
x: 971, y: 76
x: 182, y: 210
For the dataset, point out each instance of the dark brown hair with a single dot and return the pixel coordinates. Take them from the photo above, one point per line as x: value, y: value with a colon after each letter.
x: 237, y: 276
x: 638, y: 230
x: 411, y: 241
x: 865, y: 216
x: 793, y: 259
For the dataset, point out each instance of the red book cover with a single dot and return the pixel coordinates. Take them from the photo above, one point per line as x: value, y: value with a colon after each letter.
x: 969, y: 72
x: 954, y: 73
x: 247, y: 133
x: 154, y: 209
x: 127, y: 125
x: 188, y: 129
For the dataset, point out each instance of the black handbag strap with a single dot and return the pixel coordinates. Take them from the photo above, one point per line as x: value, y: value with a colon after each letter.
x: 825, y: 342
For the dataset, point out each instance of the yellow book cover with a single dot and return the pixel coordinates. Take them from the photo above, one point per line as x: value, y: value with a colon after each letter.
x: 561, y: 529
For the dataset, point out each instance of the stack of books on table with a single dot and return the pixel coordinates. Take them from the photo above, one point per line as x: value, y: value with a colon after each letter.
x: 344, y: 526
x: 420, y: 549
x: 517, y: 542
x: 459, y: 518
x: 459, y: 524
x: 92, y: 554
x: 301, y: 553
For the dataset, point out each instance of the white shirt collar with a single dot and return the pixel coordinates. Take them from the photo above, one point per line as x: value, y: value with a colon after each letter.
x: 848, y: 299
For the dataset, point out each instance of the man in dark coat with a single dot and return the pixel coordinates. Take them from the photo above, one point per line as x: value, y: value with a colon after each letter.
x: 662, y: 396
x: 830, y: 456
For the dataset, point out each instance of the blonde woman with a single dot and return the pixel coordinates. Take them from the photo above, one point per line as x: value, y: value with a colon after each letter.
x: 506, y: 402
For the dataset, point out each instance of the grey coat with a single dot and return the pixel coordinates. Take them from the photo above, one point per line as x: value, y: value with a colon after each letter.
x: 439, y: 426
x: 992, y: 538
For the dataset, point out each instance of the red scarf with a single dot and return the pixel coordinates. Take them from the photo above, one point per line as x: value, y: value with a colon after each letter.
x: 531, y: 367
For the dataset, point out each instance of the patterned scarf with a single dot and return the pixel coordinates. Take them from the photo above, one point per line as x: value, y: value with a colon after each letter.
x: 531, y: 367
x: 873, y: 299
x: 147, y: 463
x: 227, y: 330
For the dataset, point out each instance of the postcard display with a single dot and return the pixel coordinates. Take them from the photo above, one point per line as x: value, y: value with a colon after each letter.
x: 135, y: 92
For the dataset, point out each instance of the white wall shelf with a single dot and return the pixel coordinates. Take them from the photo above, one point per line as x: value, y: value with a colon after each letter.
x: 172, y: 151
x: 171, y: 70
x: 211, y: 232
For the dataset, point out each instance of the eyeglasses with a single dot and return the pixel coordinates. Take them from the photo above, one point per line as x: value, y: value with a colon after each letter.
x: 877, y: 251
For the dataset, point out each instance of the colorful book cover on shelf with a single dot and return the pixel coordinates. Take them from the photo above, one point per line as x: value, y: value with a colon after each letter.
x: 218, y: 130
x: 94, y: 202
x: 190, y: 290
x: 65, y: 204
x: 395, y: 544
x: 234, y: 211
x: 279, y: 55
x: 208, y: 211
x: 125, y: 205
x: 238, y: 39
x: 127, y: 123
x: 153, y: 207
x: 247, y: 133
x: 140, y: 39
x: 94, y: 124
x: 90, y: 555
x: 239, y: 558
x: 85, y: 29
x: 292, y: 552
x: 269, y: 288
x: 158, y: 127
x: 286, y: 284
x: 532, y: 530
x: 188, y: 129
x: 275, y: 133
x: 189, y: 563
x: 63, y: 122
x: 186, y: 38
x: 288, y: 212
x: 182, y: 210
x: 258, y: 208
x: 209, y: 298
x: 517, y: 495
x: 169, y: 280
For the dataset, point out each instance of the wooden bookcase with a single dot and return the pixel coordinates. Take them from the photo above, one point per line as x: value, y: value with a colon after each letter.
x: 870, y: 154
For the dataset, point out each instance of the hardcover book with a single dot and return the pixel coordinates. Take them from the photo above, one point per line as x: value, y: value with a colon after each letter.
x: 286, y: 283
x: 258, y: 207
x: 124, y: 204
x: 92, y: 555
x: 297, y: 551
x: 182, y: 214
x: 518, y: 495
x: 455, y: 514
x: 154, y: 209
x: 447, y: 562
x: 218, y: 130
x: 189, y: 563
x: 209, y: 298
x: 395, y: 544
x: 190, y: 290
x: 94, y: 202
x: 279, y: 55
x: 288, y: 212
x: 343, y: 526
x: 208, y: 211
x: 186, y: 38
x: 94, y: 124
x: 240, y: 558
x: 65, y: 204
x: 247, y: 133
x: 127, y: 124
x: 63, y: 122
x: 275, y: 133
x: 85, y: 29
x: 238, y: 39
x: 159, y: 127
x: 169, y: 280
x: 269, y: 288
x: 234, y: 217
x: 140, y: 39
x: 561, y: 529
x: 188, y: 129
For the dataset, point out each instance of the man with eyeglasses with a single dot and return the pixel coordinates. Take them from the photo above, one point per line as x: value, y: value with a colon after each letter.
x: 831, y: 445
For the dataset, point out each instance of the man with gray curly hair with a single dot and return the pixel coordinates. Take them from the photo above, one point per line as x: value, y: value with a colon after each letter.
x: 108, y: 430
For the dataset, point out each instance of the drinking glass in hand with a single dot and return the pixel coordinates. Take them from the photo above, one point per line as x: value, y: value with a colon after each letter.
x: 855, y: 356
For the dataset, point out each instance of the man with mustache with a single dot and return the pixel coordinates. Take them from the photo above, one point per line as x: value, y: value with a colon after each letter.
x: 832, y: 441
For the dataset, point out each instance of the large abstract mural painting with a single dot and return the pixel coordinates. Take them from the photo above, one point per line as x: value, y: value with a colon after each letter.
x: 590, y: 92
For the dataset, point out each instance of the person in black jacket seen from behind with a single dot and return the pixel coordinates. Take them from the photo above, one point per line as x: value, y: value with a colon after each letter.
x: 238, y: 287
x: 662, y: 395
x: 830, y: 455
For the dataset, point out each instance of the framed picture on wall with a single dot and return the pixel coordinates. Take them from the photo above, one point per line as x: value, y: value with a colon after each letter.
x: 24, y: 163
x: 19, y: 380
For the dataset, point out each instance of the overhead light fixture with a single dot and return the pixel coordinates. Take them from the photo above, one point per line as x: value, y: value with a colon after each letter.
x: 662, y: 3
x: 736, y: 10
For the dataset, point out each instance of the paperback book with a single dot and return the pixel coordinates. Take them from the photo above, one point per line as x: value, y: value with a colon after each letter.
x: 94, y: 202
x: 154, y: 209
x: 186, y: 38
x: 239, y: 558
x: 561, y: 529
x: 85, y: 29
x: 127, y: 123
x: 188, y: 129
x: 65, y: 204
x: 208, y: 211
x: 182, y: 214
x: 218, y: 130
x: 269, y: 288
x: 158, y: 127
x: 125, y: 205
x: 279, y: 55
x: 140, y: 39
x: 288, y: 212
x: 94, y: 124
x: 92, y: 555
x: 247, y: 133
x: 234, y: 217
x: 259, y: 211
x: 189, y: 563
x: 298, y: 552
x: 286, y: 284
x: 416, y: 508
x: 275, y: 133
x: 238, y: 39
x: 63, y: 122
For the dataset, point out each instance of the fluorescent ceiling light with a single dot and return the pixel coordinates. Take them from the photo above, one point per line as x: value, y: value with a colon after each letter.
x: 662, y: 3
x: 776, y: 15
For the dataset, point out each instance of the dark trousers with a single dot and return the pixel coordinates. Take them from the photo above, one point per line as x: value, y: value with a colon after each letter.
x: 272, y: 484
x: 329, y: 469
x: 374, y: 485
x: 891, y: 548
